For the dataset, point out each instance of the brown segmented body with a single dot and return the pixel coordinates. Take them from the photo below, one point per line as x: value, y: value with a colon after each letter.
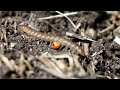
x: 51, y: 38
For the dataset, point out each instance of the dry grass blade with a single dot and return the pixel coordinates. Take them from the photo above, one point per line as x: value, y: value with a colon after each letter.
x: 64, y: 55
x: 85, y: 44
x: 14, y: 65
x: 31, y: 17
x: 50, y: 64
x: 1, y: 34
x: 56, y: 16
x: 2, y: 49
x: 23, y: 61
x: 4, y: 35
x: 77, y: 26
x: 0, y: 63
x: 61, y: 69
x: 67, y: 18
x: 112, y: 12
x: 28, y: 65
x: 78, y: 36
x: 7, y: 62
x: 79, y: 66
x: 61, y: 64
x: 21, y: 65
x: 91, y: 70
x: 15, y: 26
x: 53, y: 72
x: 107, y: 29
x: 49, y: 68
x: 50, y: 25
x: 97, y: 53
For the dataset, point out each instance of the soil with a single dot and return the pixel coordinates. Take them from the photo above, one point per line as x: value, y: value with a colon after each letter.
x: 13, y: 42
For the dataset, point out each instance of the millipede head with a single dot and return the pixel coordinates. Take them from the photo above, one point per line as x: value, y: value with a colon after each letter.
x: 55, y: 45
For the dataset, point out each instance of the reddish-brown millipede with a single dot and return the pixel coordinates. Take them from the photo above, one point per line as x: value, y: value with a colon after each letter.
x: 51, y: 38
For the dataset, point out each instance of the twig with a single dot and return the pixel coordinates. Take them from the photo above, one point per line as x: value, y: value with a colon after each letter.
x: 73, y: 71
x: 52, y: 26
x: 7, y: 62
x: 0, y: 63
x: 85, y: 44
x: 67, y: 18
x: 113, y: 12
x: 31, y: 16
x: 97, y: 53
x: 70, y: 33
x: 91, y: 70
x: 14, y: 65
x: 63, y: 15
x: 100, y: 76
x: 4, y: 35
x: 63, y: 56
x: 56, y: 16
x: 107, y: 29
x: 78, y: 36
x: 77, y: 26
x: 49, y: 65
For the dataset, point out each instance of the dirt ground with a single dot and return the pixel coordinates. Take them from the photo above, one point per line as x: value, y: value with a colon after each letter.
x: 26, y: 57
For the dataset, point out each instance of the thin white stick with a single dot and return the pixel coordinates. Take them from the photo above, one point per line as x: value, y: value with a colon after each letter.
x: 31, y: 16
x: 56, y: 16
x: 67, y: 18
x: 107, y: 29
x: 77, y: 26
x: 117, y: 40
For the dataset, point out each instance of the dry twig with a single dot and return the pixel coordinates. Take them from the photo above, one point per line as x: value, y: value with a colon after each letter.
x: 60, y: 68
x: 107, y: 29
x: 7, y: 62
x: 56, y: 16
x: 67, y: 18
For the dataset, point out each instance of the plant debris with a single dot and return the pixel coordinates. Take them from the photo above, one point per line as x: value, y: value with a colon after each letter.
x: 26, y: 57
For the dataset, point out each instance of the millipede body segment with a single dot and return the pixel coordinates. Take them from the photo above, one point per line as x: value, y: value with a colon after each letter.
x: 51, y: 38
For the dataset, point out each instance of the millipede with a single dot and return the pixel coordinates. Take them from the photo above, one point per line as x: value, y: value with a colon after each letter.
x: 51, y: 38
